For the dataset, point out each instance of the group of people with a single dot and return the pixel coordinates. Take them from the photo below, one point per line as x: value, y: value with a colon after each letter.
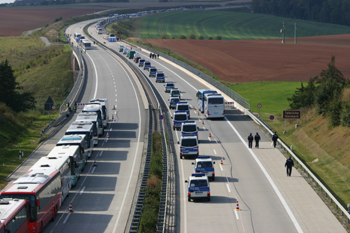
x: 289, y: 163
x: 153, y: 55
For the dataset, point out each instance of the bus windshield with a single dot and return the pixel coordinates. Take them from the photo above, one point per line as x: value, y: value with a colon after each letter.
x: 30, y: 197
x: 215, y: 100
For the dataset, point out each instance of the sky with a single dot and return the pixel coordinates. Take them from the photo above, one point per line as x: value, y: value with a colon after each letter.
x: 6, y: 1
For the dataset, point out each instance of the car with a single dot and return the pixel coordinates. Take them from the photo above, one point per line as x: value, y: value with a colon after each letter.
x: 141, y: 62
x: 147, y: 65
x: 184, y: 106
x: 198, y: 187
x: 168, y: 86
x: 189, y: 128
x: 160, y: 77
x: 175, y: 93
x: 173, y: 101
x: 152, y: 71
x: 204, y: 164
x: 137, y: 57
x: 178, y: 118
x: 188, y: 146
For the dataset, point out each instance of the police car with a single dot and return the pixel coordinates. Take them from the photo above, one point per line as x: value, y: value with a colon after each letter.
x: 169, y: 86
x: 178, y: 118
x: 141, y: 62
x: 184, y: 106
x: 189, y: 128
x: 146, y: 65
x: 204, y: 164
x: 173, y: 101
x: 152, y: 71
x: 160, y: 77
x: 175, y: 93
x: 188, y: 146
x: 198, y: 187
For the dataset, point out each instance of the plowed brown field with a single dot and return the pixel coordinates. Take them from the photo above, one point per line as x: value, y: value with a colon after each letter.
x: 15, y: 21
x: 265, y: 60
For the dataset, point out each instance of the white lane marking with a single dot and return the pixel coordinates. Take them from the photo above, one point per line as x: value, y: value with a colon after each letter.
x: 93, y: 169
x: 110, y: 129
x: 284, y: 203
x: 209, y: 138
x: 82, y: 190
x: 65, y: 220
x: 116, y: 100
x: 116, y: 94
x: 136, y: 151
x: 203, y: 127
x: 115, y: 90
x: 214, y: 151
x: 96, y: 85
x: 221, y: 167
x: 236, y: 215
x: 228, y: 188
x: 101, y: 153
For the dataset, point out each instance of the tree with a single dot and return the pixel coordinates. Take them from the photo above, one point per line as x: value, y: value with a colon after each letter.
x: 192, y: 36
x: 182, y: 37
x: 218, y: 38
x: 303, y: 96
x: 201, y: 37
x: 163, y: 37
x: 210, y: 38
x: 10, y: 90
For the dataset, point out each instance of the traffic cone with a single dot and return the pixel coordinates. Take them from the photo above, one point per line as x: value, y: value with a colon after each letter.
x: 95, y: 164
x: 198, y: 112
x: 237, y: 206
x: 70, y: 208
x: 202, y: 122
x: 209, y: 134
x: 112, y: 117
x: 107, y: 135
x: 222, y: 161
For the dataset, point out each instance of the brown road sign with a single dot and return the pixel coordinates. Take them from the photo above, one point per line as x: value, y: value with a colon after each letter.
x: 291, y: 114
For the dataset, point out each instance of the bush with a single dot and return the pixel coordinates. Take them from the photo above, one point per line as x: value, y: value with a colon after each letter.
x: 163, y: 37
x: 218, y: 38
x: 210, y: 38
x: 182, y: 37
x: 192, y: 36
x: 173, y: 37
x: 201, y: 37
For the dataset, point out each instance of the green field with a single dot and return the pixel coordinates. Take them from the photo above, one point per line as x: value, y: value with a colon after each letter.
x: 230, y: 25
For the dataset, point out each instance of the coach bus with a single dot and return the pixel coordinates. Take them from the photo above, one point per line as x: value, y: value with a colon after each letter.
x: 77, y: 140
x: 96, y: 108
x: 104, y: 104
x: 61, y: 163
x: 200, y: 98
x: 43, y: 191
x: 86, y: 44
x: 214, y: 106
x: 14, y: 215
x: 82, y: 119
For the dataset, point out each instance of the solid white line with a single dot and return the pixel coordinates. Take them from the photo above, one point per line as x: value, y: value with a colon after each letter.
x: 101, y: 153
x: 65, y: 220
x: 96, y: 84
x: 93, y: 169
x: 236, y: 215
x: 109, y: 129
x: 221, y: 167
x: 184, y: 199
x: 228, y: 188
x: 214, y: 151
x: 82, y: 190
x: 284, y: 203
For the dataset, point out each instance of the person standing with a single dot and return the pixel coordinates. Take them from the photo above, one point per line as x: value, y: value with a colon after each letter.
x: 75, y: 106
x: 158, y: 55
x: 150, y: 55
x: 257, y: 139
x: 250, y: 140
x: 289, y: 164
x: 274, y: 139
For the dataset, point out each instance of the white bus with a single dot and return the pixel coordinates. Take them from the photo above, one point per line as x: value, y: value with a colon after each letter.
x: 99, y: 30
x: 214, y: 106
x: 89, y: 128
x: 77, y: 140
x: 96, y: 108
x: 77, y: 34
x: 61, y: 163
x: 86, y: 44
x: 104, y: 104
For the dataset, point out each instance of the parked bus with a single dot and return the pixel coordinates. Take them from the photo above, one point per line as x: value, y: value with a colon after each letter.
x: 86, y: 44
x: 85, y: 118
x: 14, y: 215
x: 200, y: 97
x: 61, y: 163
x: 214, y: 106
x: 96, y: 108
x: 77, y: 161
x: 104, y: 104
x: 80, y: 140
x: 43, y: 191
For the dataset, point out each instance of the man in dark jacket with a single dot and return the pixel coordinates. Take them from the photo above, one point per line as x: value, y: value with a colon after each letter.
x: 289, y: 164
x: 257, y: 139
x: 274, y: 139
x: 250, y: 140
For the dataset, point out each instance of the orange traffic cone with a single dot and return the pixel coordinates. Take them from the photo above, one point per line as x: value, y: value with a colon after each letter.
x: 222, y: 161
x: 95, y: 164
x: 209, y: 134
x: 112, y: 117
x: 70, y: 208
x: 198, y: 112
x: 202, y: 122
x: 237, y: 207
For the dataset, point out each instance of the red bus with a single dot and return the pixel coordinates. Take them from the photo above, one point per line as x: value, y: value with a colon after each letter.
x: 42, y: 188
x: 14, y: 215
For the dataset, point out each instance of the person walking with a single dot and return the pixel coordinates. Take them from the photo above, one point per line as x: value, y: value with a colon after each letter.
x: 150, y: 55
x: 274, y: 139
x: 257, y: 139
x: 289, y: 164
x: 250, y: 140
x: 75, y: 106
x: 158, y: 55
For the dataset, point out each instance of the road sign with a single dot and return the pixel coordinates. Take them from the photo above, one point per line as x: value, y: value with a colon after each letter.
x: 48, y: 104
x: 291, y: 114
x: 259, y: 105
x: 53, y: 107
x: 272, y: 117
x: 161, y: 117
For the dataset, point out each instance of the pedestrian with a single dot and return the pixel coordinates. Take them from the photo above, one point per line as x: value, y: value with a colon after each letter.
x: 250, y: 140
x: 158, y: 55
x: 150, y: 55
x: 257, y: 139
x: 274, y: 139
x: 289, y: 164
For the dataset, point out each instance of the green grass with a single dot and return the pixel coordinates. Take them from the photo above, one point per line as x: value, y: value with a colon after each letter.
x: 230, y: 25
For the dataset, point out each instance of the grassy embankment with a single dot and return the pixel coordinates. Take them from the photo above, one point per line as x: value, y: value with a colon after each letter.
x: 325, y: 150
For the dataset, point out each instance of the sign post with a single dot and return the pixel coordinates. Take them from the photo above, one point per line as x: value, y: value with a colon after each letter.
x: 259, y: 106
x: 290, y: 115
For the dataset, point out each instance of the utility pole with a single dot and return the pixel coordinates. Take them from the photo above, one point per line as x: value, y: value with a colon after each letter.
x: 283, y: 36
x: 295, y: 33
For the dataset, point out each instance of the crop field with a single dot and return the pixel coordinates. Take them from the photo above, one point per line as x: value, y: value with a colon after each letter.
x: 230, y: 25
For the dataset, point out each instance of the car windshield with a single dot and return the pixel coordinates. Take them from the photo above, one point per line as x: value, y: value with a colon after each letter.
x: 153, y: 70
x: 189, y: 142
x: 176, y: 100
x: 175, y: 93
x: 199, y: 183
x: 147, y: 63
x: 180, y: 117
x: 182, y: 107
x: 160, y: 75
x: 206, y: 164
x: 170, y: 85
x: 189, y: 128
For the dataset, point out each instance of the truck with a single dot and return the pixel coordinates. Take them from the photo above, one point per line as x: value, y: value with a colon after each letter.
x: 131, y: 54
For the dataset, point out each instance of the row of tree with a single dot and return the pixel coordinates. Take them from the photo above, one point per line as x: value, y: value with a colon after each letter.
x: 327, y: 11
x: 192, y: 37
x: 325, y: 92
x: 11, y: 93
